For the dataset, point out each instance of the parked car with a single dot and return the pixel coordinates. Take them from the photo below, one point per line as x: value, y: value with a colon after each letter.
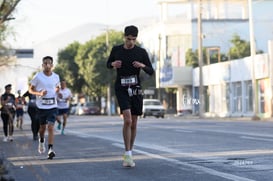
x: 153, y: 107
x: 88, y: 108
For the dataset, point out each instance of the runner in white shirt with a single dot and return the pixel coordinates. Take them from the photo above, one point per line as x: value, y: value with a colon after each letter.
x: 64, y: 98
x: 45, y: 85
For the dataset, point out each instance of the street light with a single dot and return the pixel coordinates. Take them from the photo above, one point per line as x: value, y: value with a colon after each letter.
x: 252, y: 55
x: 109, y: 84
x: 200, y: 57
x: 159, y: 66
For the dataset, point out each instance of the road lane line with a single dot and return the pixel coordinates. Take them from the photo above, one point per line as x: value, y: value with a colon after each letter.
x: 118, y: 143
x: 197, y: 155
x: 184, y: 131
x: 218, y: 131
x: 198, y: 167
x: 255, y: 138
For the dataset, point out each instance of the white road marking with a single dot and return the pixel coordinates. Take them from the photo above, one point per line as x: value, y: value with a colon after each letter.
x: 174, y: 161
x: 184, y: 131
x: 217, y: 131
x: 255, y: 138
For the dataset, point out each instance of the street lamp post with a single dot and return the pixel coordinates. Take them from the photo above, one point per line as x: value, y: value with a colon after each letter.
x: 159, y: 67
x: 252, y: 55
x: 109, y: 84
x: 200, y: 57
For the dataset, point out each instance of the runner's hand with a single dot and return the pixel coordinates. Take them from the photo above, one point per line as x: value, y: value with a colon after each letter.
x: 137, y: 64
x: 117, y: 64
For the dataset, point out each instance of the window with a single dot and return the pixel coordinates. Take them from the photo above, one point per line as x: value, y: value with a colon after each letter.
x: 225, y: 97
x: 248, y: 96
x: 237, y: 99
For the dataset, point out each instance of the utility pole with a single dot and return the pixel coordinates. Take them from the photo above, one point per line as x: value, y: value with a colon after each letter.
x: 109, y: 84
x: 200, y: 57
x: 252, y: 55
x: 159, y: 67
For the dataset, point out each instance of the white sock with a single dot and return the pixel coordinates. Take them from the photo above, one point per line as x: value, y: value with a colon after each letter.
x: 128, y: 152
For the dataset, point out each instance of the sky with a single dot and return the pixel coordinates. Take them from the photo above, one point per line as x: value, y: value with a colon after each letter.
x: 38, y: 20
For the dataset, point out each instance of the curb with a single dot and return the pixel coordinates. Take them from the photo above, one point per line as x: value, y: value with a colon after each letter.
x: 4, y: 173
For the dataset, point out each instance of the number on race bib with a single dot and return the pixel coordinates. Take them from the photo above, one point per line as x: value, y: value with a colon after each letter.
x: 126, y: 81
x: 48, y: 101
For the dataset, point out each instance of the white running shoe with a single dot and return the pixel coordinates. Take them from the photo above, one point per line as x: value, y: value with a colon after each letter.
x: 41, y: 147
x: 5, y: 139
x: 10, y: 138
x: 50, y: 154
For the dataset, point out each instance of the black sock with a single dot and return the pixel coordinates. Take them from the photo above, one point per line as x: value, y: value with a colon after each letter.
x: 42, y: 140
x: 50, y: 146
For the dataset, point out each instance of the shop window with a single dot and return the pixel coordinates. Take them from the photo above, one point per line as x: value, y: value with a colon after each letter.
x: 237, y: 97
x: 248, y: 96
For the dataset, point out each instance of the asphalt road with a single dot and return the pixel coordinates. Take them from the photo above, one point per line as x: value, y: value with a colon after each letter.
x: 172, y: 149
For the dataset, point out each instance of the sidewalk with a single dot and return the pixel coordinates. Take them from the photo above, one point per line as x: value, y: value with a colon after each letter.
x: 7, y: 148
x: 74, y: 158
x: 4, y: 172
x: 189, y: 116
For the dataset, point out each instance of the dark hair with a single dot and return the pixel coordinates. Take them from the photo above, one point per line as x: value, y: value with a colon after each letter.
x: 8, y: 86
x: 131, y: 30
x: 48, y: 57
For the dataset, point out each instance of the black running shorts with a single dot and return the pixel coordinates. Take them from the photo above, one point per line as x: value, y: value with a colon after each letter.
x: 134, y: 103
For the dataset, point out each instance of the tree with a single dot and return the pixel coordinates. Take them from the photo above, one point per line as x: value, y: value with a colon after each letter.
x: 7, y: 7
x: 191, y: 58
x: 240, y: 49
x: 92, y: 57
x: 68, y: 69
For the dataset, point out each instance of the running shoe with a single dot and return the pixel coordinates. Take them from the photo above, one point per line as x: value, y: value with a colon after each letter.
x: 5, y: 139
x: 41, y: 147
x: 62, y: 133
x: 59, y: 126
x: 50, y: 154
x: 10, y: 138
x: 128, y: 161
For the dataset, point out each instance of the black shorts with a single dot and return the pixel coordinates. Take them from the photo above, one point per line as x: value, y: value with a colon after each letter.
x: 63, y: 111
x: 19, y: 112
x: 134, y: 103
x: 47, y: 116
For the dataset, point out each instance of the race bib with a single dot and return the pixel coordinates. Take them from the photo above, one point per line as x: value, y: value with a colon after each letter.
x: 9, y: 104
x: 48, y: 101
x: 130, y: 80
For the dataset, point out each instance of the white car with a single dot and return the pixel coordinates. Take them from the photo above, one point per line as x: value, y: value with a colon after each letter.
x: 153, y: 107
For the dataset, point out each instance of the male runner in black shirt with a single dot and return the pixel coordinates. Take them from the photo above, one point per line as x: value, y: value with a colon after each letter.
x: 128, y: 59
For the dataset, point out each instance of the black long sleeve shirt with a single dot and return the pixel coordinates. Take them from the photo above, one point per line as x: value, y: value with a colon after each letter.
x: 128, y: 56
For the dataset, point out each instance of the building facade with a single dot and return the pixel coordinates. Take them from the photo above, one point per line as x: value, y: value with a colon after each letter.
x: 175, y: 33
x: 18, y: 70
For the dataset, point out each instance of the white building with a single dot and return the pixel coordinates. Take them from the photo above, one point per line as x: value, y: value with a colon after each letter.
x: 20, y: 67
x: 221, y: 19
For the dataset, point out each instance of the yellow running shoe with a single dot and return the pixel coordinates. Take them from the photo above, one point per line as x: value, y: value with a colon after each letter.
x: 128, y: 161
